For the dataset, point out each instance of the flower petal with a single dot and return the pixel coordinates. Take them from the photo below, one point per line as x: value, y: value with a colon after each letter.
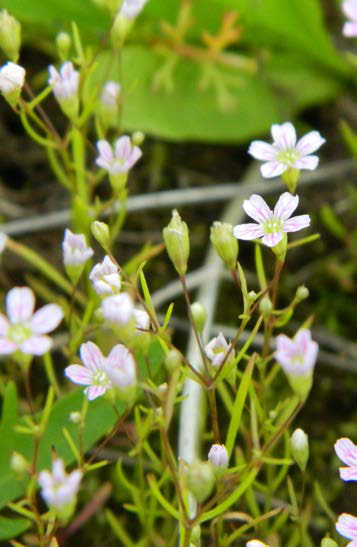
x: 294, y: 224
x: 20, y: 302
x: 348, y: 473
x: 123, y: 147
x: 349, y: 30
x: 4, y: 325
x: 284, y: 135
x: 36, y: 345
x: 347, y: 526
x: 261, y: 150
x: 247, y: 231
x: 117, y: 355
x: 93, y: 392
x: 310, y: 143
x: 285, y: 206
x: 272, y: 239
x: 308, y: 162
x: 105, y: 150
x: 349, y: 8
x: 46, y: 319
x: 6, y: 346
x: 256, y: 208
x: 91, y: 356
x: 78, y: 374
x: 346, y: 450
x: 272, y: 169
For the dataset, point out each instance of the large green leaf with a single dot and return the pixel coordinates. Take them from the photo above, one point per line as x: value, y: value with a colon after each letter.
x: 10, y: 528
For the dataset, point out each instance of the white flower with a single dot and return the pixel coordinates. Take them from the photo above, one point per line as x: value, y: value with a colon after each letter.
x: 124, y: 157
x: 93, y: 373
x: 118, y: 308
x: 58, y: 488
x: 24, y: 330
x: 131, y: 8
x: 347, y: 527
x: 297, y: 356
x: 271, y: 225
x: 105, y: 277
x: 256, y: 543
x: 120, y: 367
x: 75, y: 249
x: 217, y: 349
x: 110, y: 94
x: 285, y: 153
x: 142, y: 319
x: 349, y: 8
x: 12, y: 77
x: 218, y: 455
x: 65, y: 82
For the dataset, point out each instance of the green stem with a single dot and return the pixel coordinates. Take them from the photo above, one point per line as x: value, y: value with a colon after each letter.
x: 79, y: 158
x: 51, y: 375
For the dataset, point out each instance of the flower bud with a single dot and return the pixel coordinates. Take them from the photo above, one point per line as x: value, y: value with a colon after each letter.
x: 265, y: 307
x: 12, y: 77
x: 120, y: 30
x: 302, y: 293
x: 138, y: 138
x: 19, y: 464
x: 200, y: 479
x: 75, y: 254
x: 199, y: 315
x: 328, y: 542
x: 105, y: 277
x: 100, y: 231
x: 300, y: 448
x: 63, y: 43
x: 195, y: 538
x: 256, y: 543
x: 176, y: 237
x: 75, y: 417
x: 218, y: 456
x: 173, y: 360
x: 109, y: 104
x: 65, y: 88
x: 225, y: 243
x: 10, y: 36
x: 252, y: 296
x: 118, y: 309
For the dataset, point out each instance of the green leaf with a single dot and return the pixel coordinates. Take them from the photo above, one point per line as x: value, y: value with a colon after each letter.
x: 10, y: 528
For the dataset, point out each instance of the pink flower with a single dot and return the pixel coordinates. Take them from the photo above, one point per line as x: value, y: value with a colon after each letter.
x: 24, y: 329
x: 349, y: 8
x: 118, y: 309
x: 93, y: 373
x: 120, y: 367
x: 110, y: 95
x: 271, y: 225
x: 347, y: 452
x: 75, y: 249
x: 296, y: 356
x: 65, y: 82
x: 58, y: 488
x: 124, y: 157
x: 285, y: 153
x: 217, y: 349
x: 105, y: 277
x: 347, y: 527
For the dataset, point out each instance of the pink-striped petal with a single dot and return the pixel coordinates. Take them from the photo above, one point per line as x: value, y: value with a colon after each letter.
x: 272, y: 239
x: 117, y: 355
x: 297, y: 223
x: 310, y: 143
x: 105, y: 150
x: 346, y: 450
x: 303, y: 340
x: 261, y: 150
x: 257, y: 209
x: 273, y: 169
x: 4, y: 325
x: 36, y: 345
x: 284, y: 135
x: 123, y: 148
x: 93, y: 392
x: 347, y: 526
x: 285, y: 206
x: 247, y: 231
x: 135, y: 155
x: 91, y: 356
x: 20, y: 302
x: 348, y: 473
x: 284, y: 344
x: 349, y: 8
x: 6, y: 346
x: 349, y: 30
x: 308, y: 162
x: 46, y: 319
x: 78, y: 374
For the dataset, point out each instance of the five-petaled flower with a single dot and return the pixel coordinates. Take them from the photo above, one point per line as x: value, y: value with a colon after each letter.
x: 120, y: 367
x: 296, y: 356
x: 93, y: 373
x: 217, y: 349
x: 75, y: 249
x: 105, y: 277
x: 271, y: 225
x: 285, y: 153
x: 131, y: 8
x: 65, y: 82
x: 58, y: 488
x: 349, y: 8
x: 24, y: 330
x: 122, y: 160
x: 347, y: 527
x: 346, y: 450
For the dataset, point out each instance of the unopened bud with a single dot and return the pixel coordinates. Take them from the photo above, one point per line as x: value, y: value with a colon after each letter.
x: 302, y: 293
x: 265, y: 307
x: 300, y: 448
x: 225, y: 243
x: 19, y: 464
x: 252, y: 296
x: 75, y: 417
x: 176, y: 237
x: 173, y: 360
x: 100, y: 231
x: 200, y: 479
x: 120, y: 30
x: 195, y: 538
x: 218, y: 456
x: 199, y: 315
x: 10, y: 36
x: 328, y: 542
x: 63, y: 43
x: 12, y: 78
x: 138, y: 138
x: 256, y: 543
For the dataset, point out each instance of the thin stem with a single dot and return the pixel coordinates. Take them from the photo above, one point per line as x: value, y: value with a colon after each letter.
x: 214, y: 415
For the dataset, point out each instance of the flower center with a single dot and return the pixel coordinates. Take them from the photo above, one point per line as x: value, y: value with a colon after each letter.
x: 297, y: 358
x: 288, y: 157
x: 99, y: 378
x: 273, y: 225
x: 19, y: 333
